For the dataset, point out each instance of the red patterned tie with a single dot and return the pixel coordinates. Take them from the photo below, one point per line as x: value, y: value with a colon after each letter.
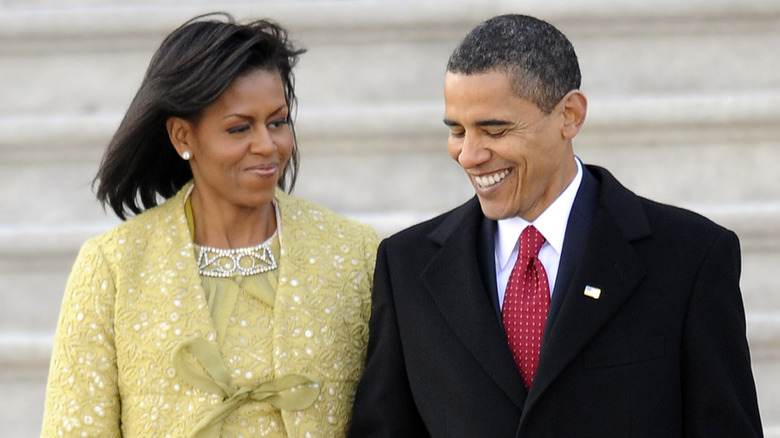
x: 526, y: 302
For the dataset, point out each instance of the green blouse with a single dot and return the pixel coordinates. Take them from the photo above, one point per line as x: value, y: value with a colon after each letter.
x: 223, y: 294
x: 242, y: 311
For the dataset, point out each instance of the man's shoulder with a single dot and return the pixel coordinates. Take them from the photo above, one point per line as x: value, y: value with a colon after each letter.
x: 437, y: 227
x: 662, y: 217
x: 667, y: 216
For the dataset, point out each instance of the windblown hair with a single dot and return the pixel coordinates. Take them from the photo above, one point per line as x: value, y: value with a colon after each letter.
x: 191, y: 69
x: 538, y: 57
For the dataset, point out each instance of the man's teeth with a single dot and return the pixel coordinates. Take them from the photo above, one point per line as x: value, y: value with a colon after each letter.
x: 489, y: 180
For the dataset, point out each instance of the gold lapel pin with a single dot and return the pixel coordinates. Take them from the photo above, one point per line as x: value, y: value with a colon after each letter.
x: 592, y: 292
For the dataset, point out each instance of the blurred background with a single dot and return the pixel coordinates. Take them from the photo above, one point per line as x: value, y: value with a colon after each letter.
x: 684, y: 98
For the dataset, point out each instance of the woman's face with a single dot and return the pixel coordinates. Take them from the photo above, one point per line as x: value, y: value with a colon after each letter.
x: 241, y: 144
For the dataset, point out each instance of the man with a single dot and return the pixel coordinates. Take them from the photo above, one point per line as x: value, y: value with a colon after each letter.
x: 627, y: 322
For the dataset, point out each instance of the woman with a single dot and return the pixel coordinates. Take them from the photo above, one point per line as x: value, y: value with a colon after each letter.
x: 231, y: 308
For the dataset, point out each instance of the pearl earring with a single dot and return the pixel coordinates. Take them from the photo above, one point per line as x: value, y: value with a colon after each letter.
x: 186, y: 155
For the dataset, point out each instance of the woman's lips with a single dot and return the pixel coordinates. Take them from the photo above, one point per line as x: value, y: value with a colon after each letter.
x: 264, y: 170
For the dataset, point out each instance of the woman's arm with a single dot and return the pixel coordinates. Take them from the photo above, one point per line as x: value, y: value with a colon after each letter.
x: 82, y: 398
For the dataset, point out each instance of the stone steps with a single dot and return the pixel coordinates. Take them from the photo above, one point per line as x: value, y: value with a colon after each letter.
x: 687, y: 143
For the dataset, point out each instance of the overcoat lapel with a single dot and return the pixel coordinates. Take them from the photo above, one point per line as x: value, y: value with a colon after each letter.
x: 454, y: 280
x: 610, y: 263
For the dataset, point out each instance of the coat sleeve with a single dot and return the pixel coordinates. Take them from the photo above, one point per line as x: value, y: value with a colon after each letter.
x: 384, y: 406
x: 370, y: 243
x: 719, y: 393
x: 82, y: 398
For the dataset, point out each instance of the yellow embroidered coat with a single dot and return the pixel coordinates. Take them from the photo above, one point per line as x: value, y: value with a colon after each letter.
x: 135, y: 294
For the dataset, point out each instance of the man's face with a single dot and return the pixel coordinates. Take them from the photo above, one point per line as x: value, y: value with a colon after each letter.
x: 516, y: 156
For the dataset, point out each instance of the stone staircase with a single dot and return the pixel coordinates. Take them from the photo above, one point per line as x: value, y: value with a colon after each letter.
x: 683, y: 98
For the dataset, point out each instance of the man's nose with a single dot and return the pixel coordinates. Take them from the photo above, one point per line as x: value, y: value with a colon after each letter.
x: 473, y: 151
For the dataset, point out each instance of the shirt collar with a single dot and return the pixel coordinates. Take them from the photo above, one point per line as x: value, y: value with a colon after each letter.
x: 551, y: 223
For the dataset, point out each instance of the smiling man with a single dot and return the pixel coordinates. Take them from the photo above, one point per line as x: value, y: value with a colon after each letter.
x: 556, y: 303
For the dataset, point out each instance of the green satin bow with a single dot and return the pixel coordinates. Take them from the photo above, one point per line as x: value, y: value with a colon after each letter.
x: 291, y: 392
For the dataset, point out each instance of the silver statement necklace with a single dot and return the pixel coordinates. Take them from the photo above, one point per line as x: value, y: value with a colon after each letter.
x: 218, y: 262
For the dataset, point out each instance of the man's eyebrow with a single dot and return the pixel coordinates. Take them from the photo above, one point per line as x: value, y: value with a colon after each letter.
x: 494, y: 122
x: 488, y: 122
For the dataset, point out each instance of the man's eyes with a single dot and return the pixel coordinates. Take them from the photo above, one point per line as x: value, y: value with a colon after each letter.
x: 496, y: 133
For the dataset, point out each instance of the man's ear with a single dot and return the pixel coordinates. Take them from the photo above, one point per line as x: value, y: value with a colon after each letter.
x: 180, y: 134
x: 575, y: 108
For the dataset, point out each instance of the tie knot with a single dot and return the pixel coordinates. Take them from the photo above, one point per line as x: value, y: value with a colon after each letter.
x: 531, y: 240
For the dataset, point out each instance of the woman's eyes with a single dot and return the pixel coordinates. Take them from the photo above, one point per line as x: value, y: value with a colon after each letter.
x: 278, y: 123
x: 240, y: 129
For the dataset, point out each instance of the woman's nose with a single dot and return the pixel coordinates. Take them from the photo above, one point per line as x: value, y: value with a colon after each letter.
x: 262, y: 141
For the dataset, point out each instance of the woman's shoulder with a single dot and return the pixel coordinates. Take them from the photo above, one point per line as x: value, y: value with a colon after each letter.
x: 296, y: 212
x: 164, y: 219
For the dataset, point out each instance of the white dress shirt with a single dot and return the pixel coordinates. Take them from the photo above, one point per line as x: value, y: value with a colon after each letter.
x: 551, y: 223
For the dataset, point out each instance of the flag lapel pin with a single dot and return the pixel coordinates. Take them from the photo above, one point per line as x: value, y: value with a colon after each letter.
x: 592, y: 292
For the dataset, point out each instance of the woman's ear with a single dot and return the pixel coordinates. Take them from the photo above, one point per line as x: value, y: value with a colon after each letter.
x: 575, y: 108
x: 179, y: 132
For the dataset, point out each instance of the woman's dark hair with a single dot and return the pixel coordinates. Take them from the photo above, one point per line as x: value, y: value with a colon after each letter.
x: 194, y: 65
